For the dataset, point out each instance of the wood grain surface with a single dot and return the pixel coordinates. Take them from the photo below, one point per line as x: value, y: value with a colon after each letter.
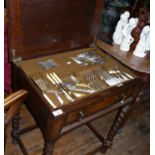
x: 138, y: 64
x: 133, y: 140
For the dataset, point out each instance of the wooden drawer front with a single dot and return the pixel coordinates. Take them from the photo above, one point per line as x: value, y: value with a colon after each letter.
x: 90, y: 109
x: 97, y: 106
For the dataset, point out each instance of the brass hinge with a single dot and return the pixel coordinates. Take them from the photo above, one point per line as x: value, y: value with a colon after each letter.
x: 92, y: 45
x: 14, y: 58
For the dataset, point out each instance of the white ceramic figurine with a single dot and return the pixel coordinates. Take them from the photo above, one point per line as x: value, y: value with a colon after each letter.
x: 117, y: 36
x: 144, y: 42
x: 127, y: 37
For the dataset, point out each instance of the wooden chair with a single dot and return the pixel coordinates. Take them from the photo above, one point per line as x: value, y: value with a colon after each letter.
x: 11, y: 107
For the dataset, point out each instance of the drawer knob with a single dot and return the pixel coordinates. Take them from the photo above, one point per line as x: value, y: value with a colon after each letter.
x: 81, y: 115
x: 123, y: 96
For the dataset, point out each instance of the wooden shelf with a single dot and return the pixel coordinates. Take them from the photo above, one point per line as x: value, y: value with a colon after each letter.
x: 138, y: 64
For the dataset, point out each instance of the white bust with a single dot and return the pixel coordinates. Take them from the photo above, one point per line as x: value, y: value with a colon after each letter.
x: 117, y: 36
x: 127, y: 37
x: 144, y: 42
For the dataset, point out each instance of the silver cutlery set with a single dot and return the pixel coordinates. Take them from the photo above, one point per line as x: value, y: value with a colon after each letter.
x: 112, y: 77
x: 88, y: 58
x: 93, y: 81
x: 46, y: 64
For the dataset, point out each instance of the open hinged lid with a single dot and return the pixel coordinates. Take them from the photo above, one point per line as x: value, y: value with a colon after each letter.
x: 39, y: 27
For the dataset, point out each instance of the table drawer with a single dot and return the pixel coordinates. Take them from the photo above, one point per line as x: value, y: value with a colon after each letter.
x: 89, y: 109
x: 94, y: 107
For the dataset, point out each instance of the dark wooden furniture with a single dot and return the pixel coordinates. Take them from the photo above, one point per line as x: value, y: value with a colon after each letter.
x: 46, y: 27
x: 140, y: 66
x: 12, y: 105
